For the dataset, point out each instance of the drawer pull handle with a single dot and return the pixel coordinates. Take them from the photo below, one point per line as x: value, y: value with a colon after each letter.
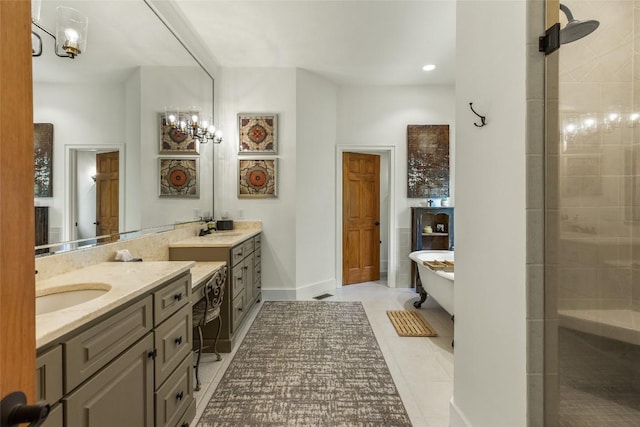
x: 178, y: 340
x: 239, y: 308
x: 177, y: 296
x: 180, y: 395
x: 246, y: 267
x: 184, y: 424
x: 152, y: 353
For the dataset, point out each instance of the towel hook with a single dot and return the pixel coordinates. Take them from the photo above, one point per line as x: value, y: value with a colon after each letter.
x: 482, y: 118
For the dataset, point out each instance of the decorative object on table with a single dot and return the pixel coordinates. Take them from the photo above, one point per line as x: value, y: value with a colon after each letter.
x: 175, y: 137
x: 428, y: 161
x: 43, y: 159
x: 179, y: 177
x: 257, y: 133
x: 257, y: 178
x: 286, y: 371
x: 441, y: 228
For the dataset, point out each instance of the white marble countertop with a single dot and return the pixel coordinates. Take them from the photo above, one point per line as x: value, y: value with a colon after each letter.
x: 217, y: 239
x: 202, y: 270
x: 125, y: 280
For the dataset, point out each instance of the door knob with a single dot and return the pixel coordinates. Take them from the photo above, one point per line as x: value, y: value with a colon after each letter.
x: 377, y: 223
x: 97, y: 223
x: 14, y: 411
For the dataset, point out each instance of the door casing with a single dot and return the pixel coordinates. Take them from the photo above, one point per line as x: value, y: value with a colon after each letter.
x: 389, y: 234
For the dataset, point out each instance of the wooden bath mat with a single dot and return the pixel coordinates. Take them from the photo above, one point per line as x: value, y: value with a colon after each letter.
x: 410, y: 323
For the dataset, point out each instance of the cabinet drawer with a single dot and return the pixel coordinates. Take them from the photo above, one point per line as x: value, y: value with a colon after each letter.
x: 237, y: 254
x: 188, y: 416
x: 90, y: 350
x: 257, y: 242
x: 237, y: 280
x: 119, y: 395
x: 172, y: 340
x: 175, y: 396
x: 247, y: 247
x: 171, y: 298
x: 49, y: 376
x: 238, y: 312
x: 55, y: 417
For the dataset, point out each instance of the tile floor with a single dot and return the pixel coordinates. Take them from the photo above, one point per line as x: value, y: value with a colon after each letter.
x: 422, y: 368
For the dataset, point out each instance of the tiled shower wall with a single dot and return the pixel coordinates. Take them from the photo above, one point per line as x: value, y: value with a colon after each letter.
x: 598, y: 153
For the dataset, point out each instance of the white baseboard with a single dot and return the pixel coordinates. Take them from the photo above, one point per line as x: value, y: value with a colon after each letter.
x: 278, y: 294
x: 304, y: 293
x: 314, y: 289
x: 456, y: 417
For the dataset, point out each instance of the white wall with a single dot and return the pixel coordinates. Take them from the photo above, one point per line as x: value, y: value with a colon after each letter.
x: 315, y: 183
x: 315, y: 117
x: 82, y: 114
x: 378, y: 116
x: 261, y: 90
x: 490, y: 220
x: 161, y: 87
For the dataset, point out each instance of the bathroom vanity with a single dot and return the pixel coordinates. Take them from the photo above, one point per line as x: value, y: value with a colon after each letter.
x: 123, y: 358
x: 241, y: 250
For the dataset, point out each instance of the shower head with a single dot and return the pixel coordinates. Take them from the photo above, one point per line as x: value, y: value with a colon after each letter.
x: 575, y: 29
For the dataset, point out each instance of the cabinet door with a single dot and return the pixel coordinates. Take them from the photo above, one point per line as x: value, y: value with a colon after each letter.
x: 87, y: 352
x: 175, y: 396
x: 119, y: 395
x: 173, y: 341
x: 49, y: 376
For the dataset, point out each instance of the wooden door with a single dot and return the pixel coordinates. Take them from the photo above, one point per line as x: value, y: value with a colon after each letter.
x: 17, y: 229
x: 360, y: 218
x: 107, y: 193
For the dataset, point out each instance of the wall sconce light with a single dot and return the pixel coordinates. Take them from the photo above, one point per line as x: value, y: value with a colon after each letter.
x: 71, y: 31
x: 190, y: 122
x: 94, y: 177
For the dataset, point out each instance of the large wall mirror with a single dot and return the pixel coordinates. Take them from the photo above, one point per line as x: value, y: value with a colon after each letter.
x: 106, y: 103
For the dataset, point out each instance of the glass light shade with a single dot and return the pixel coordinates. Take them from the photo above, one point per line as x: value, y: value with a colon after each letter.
x: 36, y: 6
x: 589, y: 123
x: 71, y: 31
x: 633, y: 119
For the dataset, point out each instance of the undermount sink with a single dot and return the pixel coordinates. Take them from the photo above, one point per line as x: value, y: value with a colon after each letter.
x: 69, y: 296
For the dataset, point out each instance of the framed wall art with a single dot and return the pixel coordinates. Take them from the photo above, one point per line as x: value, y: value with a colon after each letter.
x: 173, y: 140
x: 257, y: 178
x: 258, y: 133
x: 427, y: 161
x: 43, y: 159
x: 179, y: 177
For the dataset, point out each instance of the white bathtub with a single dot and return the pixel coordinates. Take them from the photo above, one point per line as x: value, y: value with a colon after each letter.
x: 437, y: 284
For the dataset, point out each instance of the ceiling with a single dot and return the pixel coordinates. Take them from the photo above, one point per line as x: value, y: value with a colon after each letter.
x: 380, y: 42
x: 383, y: 42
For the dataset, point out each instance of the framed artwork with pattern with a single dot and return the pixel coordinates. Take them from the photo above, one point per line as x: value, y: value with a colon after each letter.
x: 179, y: 177
x: 173, y: 140
x: 257, y: 178
x: 258, y: 133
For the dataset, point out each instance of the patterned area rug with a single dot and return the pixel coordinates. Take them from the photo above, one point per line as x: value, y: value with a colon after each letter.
x: 307, y: 363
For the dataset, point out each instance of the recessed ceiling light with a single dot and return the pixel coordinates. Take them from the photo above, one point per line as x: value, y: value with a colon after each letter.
x: 429, y: 67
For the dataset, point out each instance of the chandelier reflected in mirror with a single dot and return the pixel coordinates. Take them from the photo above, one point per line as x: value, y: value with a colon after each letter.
x: 190, y: 122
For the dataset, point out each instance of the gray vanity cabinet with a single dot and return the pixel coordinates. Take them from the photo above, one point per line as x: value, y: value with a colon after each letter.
x: 49, y: 384
x: 130, y: 368
x: 119, y: 395
x: 242, y: 287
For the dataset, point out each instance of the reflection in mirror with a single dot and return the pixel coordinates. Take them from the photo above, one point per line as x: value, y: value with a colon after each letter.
x: 104, y: 106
